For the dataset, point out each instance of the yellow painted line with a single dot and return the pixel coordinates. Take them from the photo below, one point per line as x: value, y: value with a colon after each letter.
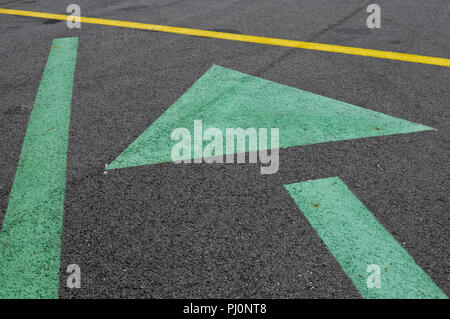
x: 243, y: 38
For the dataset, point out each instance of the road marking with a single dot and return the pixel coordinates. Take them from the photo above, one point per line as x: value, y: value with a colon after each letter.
x: 357, y: 240
x: 244, y: 38
x: 224, y: 98
x: 30, y: 241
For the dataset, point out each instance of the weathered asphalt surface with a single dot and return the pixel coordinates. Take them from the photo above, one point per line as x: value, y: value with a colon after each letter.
x: 199, y: 230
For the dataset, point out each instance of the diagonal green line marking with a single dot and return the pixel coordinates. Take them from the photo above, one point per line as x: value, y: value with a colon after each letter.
x: 357, y: 240
x: 30, y: 241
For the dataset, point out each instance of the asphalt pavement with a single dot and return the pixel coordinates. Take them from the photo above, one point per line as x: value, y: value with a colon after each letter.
x: 224, y: 230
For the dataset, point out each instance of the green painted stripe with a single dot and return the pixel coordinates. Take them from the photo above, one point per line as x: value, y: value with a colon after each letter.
x: 357, y: 240
x: 30, y: 241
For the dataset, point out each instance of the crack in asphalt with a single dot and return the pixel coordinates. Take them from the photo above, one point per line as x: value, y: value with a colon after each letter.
x: 288, y: 52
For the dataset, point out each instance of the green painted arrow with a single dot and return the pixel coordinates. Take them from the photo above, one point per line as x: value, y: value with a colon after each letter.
x: 359, y: 242
x: 224, y: 98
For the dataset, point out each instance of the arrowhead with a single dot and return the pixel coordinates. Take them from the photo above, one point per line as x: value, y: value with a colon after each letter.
x: 224, y: 98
